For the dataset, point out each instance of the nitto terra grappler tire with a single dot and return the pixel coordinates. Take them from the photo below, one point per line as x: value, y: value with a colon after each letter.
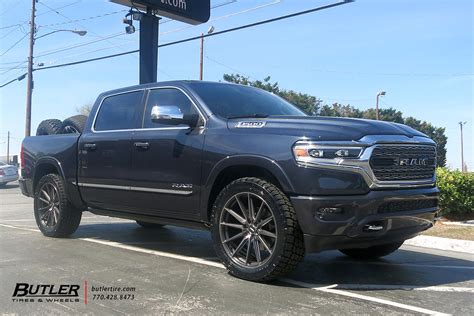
x: 74, y: 124
x: 149, y: 225
x: 255, y: 231
x: 372, y: 252
x: 49, y: 127
x: 54, y: 214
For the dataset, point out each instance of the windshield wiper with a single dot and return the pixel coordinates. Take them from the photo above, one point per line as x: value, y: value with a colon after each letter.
x: 255, y: 115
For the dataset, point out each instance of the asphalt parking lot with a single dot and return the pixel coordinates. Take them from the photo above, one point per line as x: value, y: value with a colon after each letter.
x: 174, y: 270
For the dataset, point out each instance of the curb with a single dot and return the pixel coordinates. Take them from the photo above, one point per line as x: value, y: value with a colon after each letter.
x: 458, y: 245
x: 465, y: 224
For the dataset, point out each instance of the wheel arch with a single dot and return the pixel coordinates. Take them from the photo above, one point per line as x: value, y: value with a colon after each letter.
x: 234, y: 167
x: 44, y: 166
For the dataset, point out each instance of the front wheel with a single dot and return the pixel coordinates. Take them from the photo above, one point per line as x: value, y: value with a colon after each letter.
x: 372, y: 252
x: 54, y: 214
x: 255, y: 231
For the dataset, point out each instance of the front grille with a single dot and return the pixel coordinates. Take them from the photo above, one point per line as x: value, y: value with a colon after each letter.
x: 406, y: 205
x: 403, y: 162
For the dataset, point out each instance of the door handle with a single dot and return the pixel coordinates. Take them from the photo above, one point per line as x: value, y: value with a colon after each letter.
x: 90, y: 146
x: 141, y: 145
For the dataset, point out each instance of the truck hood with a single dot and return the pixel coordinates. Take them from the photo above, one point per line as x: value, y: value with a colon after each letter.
x: 320, y: 128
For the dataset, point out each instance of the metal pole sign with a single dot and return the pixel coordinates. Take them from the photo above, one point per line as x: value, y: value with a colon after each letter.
x: 188, y: 11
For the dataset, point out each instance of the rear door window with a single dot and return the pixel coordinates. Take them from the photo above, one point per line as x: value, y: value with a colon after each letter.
x: 117, y: 112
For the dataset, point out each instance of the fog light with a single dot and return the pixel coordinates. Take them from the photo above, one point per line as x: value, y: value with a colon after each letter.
x: 329, y: 213
x: 330, y: 210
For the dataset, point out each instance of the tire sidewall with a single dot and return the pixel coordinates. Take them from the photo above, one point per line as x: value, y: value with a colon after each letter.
x: 250, y: 273
x: 54, y: 180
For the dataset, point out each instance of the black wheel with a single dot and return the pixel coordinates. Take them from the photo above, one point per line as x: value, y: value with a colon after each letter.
x: 149, y: 225
x: 255, y: 231
x: 372, y: 252
x: 54, y: 214
x: 49, y: 127
x: 74, y: 124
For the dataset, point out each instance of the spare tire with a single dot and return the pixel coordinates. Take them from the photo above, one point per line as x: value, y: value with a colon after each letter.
x: 49, y: 127
x: 74, y: 124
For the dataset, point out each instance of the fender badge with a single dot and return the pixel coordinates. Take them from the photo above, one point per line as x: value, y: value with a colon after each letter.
x: 251, y: 124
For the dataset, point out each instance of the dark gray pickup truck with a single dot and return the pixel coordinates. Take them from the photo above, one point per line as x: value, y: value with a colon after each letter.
x: 268, y: 181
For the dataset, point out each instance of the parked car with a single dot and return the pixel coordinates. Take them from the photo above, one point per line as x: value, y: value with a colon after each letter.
x: 8, y: 173
x: 268, y: 181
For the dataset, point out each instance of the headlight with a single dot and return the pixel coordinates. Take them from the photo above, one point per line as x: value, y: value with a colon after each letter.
x: 315, y: 153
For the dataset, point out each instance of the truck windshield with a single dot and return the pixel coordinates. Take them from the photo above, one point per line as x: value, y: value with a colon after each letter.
x: 236, y: 101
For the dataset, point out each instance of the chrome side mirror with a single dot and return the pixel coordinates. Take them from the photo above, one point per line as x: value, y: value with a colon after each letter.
x: 166, y: 113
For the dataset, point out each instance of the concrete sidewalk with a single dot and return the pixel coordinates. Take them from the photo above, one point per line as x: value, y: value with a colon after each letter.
x: 458, y: 245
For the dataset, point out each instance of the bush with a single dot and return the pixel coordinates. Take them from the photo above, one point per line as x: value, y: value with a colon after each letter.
x: 457, y: 194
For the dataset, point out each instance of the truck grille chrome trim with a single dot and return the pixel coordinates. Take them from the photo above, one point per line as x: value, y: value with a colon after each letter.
x: 403, y: 162
x: 373, y: 176
x: 129, y: 188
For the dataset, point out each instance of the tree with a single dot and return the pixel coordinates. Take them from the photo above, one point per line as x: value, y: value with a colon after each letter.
x: 389, y: 114
x: 314, y: 106
x: 337, y: 109
x: 305, y: 102
x: 435, y: 133
x: 84, y: 109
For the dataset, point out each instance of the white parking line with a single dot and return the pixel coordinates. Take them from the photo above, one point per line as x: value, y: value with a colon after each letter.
x: 322, y: 288
x: 383, y: 287
x: 330, y: 289
x: 412, y: 265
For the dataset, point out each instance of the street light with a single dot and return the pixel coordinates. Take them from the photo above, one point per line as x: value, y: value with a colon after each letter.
x: 462, y: 147
x: 29, y: 84
x: 209, y: 31
x: 80, y: 33
x: 381, y: 93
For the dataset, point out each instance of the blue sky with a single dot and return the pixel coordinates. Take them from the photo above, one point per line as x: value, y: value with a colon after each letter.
x: 420, y: 52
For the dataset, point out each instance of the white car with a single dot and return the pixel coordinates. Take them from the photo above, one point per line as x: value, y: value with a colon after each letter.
x: 8, y: 173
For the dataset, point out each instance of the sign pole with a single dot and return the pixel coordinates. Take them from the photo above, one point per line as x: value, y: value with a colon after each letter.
x: 149, y: 26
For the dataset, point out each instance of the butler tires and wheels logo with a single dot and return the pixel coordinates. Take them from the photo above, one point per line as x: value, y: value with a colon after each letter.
x: 62, y: 293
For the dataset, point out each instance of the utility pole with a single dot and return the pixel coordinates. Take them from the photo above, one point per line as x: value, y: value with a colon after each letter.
x: 462, y: 147
x: 29, y: 83
x: 381, y: 93
x: 201, y: 64
x: 8, y: 148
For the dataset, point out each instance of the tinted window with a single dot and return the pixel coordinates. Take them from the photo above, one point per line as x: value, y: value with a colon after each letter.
x: 167, y: 97
x: 229, y: 100
x: 118, y: 111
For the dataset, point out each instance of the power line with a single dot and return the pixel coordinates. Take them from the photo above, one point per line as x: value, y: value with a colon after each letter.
x: 39, y: 14
x: 283, y: 17
x: 64, y: 48
x: 394, y: 74
x: 13, y: 80
x: 228, y: 15
x: 84, y: 19
x: 16, y: 43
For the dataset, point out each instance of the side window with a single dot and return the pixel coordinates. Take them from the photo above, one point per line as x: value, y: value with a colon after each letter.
x: 166, y: 97
x: 118, y: 111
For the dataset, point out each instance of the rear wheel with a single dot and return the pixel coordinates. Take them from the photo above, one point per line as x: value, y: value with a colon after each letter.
x: 372, y: 252
x: 49, y: 127
x: 255, y: 231
x: 74, y: 124
x: 149, y: 225
x: 54, y: 214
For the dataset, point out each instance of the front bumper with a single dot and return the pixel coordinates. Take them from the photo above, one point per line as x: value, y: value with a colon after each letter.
x: 365, y: 220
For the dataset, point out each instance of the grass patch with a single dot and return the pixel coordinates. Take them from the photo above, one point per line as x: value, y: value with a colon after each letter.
x: 451, y: 231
